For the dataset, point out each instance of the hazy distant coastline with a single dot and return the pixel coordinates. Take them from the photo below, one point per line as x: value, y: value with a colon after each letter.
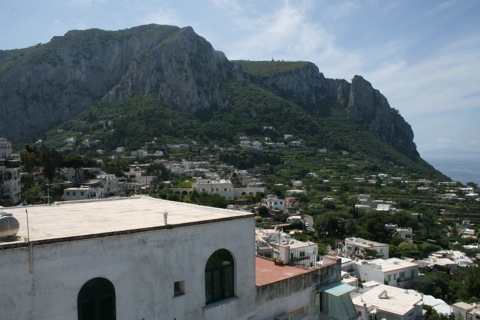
x: 460, y: 165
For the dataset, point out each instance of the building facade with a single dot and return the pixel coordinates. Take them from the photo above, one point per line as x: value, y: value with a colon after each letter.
x: 385, y: 302
x: 358, y: 246
x: 10, y: 189
x: 145, y: 258
x: 223, y: 188
x: 393, y: 272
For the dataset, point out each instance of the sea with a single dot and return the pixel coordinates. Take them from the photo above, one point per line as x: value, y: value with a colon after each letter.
x: 461, y: 170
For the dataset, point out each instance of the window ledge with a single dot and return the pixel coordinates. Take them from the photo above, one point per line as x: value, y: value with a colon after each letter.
x: 217, y: 303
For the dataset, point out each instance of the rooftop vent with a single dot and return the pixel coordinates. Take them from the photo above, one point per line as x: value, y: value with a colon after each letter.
x: 9, y: 225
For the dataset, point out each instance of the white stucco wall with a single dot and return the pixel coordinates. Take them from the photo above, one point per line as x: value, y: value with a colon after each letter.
x: 142, y: 267
x: 366, y: 272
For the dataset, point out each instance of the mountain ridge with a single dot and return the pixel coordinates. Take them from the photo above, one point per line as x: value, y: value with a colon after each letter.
x: 48, y: 84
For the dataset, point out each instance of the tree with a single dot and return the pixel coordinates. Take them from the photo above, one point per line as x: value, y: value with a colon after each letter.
x: 435, y: 284
x: 74, y: 161
x: 117, y: 167
x: 469, y: 288
x: 158, y: 170
x: 51, y: 160
x: 333, y: 224
x: 30, y: 158
x: 263, y: 211
x: 375, y: 223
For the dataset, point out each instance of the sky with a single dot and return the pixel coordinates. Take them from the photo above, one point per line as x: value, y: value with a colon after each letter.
x: 423, y: 56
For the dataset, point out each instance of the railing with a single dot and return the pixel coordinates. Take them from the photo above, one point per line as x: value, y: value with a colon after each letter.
x: 302, y: 258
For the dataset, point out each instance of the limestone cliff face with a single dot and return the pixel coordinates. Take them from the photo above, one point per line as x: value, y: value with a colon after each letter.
x: 368, y: 106
x: 307, y: 87
x: 48, y: 84
x: 184, y: 71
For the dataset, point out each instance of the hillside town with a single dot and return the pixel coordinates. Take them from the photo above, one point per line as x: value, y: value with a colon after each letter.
x: 287, y: 253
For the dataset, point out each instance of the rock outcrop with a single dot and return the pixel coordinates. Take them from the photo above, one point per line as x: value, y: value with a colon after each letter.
x: 48, y: 84
x: 308, y: 88
x: 368, y: 106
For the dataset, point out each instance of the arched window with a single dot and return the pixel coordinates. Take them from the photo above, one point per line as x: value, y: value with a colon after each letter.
x: 219, y: 276
x: 96, y: 300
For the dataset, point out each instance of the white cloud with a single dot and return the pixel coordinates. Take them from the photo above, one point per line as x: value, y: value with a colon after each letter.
x: 342, y: 9
x: 286, y: 33
x: 448, y: 80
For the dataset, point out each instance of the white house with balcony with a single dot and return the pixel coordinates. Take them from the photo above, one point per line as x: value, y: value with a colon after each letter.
x: 357, y: 246
x: 274, y: 243
x: 274, y: 203
x: 393, y: 271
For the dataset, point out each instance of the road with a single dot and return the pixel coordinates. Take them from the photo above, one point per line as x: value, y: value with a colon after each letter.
x: 308, y: 219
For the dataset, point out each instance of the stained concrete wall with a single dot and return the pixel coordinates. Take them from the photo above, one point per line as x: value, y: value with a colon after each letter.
x: 295, y: 292
x: 142, y: 267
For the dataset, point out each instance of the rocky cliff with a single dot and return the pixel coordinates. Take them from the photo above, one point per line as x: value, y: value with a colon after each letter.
x: 47, y: 84
x: 368, y: 106
x: 307, y: 87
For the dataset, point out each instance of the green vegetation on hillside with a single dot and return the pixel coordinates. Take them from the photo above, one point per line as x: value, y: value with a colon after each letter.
x: 269, y: 68
x: 255, y: 113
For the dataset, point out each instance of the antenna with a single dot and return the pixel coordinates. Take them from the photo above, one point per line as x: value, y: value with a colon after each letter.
x: 165, y: 214
x: 29, y: 243
x: 28, y: 227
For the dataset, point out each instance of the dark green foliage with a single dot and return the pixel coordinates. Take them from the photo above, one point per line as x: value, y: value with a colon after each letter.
x: 205, y: 199
x: 249, y: 159
x: 269, y: 68
x: 263, y: 211
x: 254, y: 112
x: 435, y: 284
x: 334, y: 224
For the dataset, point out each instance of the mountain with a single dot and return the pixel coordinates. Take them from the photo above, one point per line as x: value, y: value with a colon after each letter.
x: 45, y: 85
x: 153, y: 80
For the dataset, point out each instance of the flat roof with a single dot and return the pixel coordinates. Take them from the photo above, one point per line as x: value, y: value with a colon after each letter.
x: 391, y: 264
x: 338, y: 289
x: 360, y: 242
x: 266, y: 272
x: 68, y: 220
x: 389, y: 299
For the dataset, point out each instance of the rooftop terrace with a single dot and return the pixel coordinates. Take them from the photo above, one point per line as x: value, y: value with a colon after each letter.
x: 92, y: 218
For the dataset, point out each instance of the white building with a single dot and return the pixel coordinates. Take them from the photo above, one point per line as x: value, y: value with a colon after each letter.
x: 393, y: 272
x: 273, y: 202
x: 385, y: 302
x: 145, y: 258
x: 465, y: 311
x: 5, y: 149
x: 357, y: 246
x: 10, y: 188
x: 274, y: 243
x: 80, y: 193
x: 405, y: 233
x: 223, y: 188
x: 446, y: 258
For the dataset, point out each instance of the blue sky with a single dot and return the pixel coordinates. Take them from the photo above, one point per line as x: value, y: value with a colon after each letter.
x: 424, y: 56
